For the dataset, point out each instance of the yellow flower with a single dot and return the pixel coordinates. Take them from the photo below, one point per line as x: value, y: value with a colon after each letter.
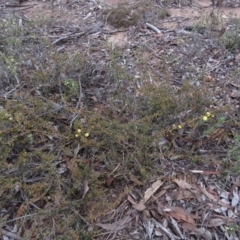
x: 204, y: 118
x: 208, y: 114
x: 86, y: 135
x: 76, y: 135
x: 174, y: 126
x: 212, y: 116
x: 179, y: 126
x: 79, y: 130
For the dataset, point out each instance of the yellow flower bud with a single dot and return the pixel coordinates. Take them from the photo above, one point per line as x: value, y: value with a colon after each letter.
x: 208, y: 114
x: 76, y: 135
x: 204, y: 118
x: 86, y: 135
x: 79, y: 130
x: 179, y: 126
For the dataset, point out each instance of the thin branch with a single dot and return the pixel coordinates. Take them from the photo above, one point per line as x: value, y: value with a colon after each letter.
x: 155, y: 29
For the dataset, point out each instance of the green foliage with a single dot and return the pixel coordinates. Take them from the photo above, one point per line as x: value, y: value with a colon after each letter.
x: 72, y: 86
x: 233, y: 154
x: 230, y: 39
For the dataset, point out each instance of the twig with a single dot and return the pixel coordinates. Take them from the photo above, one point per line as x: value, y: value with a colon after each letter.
x: 74, y: 117
x: 82, y: 218
x: 165, y: 230
x: 11, y: 235
x: 69, y: 36
x: 114, y: 31
x: 155, y: 29
x: 19, y: 7
x: 79, y: 104
x: 16, y: 5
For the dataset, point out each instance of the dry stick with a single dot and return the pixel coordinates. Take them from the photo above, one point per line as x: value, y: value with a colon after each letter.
x: 11, y: 235
x: 155, y: 29
x: 20, y: 8
x: 82, y: 218
x: 105, y: 31
x: 165, y: 230
x: 60, y: 39
x: 75, y: 115
x: 29, y: 215
x: 79, y: 104
x: 68, y: 36
x: 16, y: 5
x: 176, y: 227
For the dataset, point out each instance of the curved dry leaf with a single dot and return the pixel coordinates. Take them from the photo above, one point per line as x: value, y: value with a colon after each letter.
x: 109, y: 181
x: 189, y: 226
x: 216, y: 222
x: 86, y: 188
x: 205, y: 233
x: 150, y: 191
x: 121, y: 224
x: 94, y: 98
x: 158, y: 232
x: 183, y: 184
x: 183, y: 194
x: 131, y: 200
x: 139, y: 206
x: 176, y: 228
x: 134, y: 179
x: 181, y: 214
